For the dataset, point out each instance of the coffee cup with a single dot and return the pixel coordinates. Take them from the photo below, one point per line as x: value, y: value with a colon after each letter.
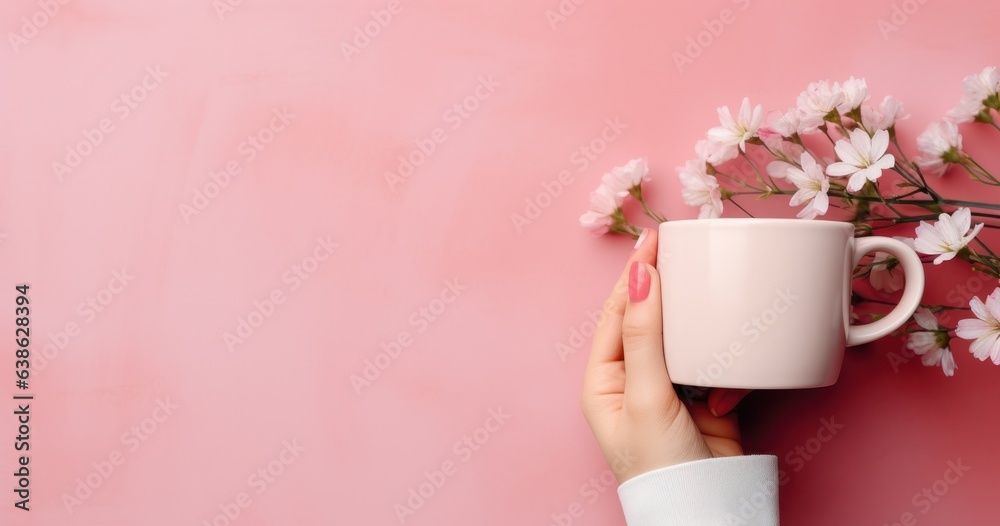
x: 765, y: 303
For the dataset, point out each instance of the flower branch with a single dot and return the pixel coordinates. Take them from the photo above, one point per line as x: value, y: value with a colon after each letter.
x: 850, y: 169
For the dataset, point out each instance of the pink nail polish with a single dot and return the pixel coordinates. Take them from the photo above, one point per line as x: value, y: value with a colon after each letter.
x: 642, y: 237
x: 638, y: 282
x: 728, y: 401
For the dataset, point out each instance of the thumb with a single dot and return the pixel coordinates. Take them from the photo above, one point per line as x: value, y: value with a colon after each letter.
x: 646, y: 378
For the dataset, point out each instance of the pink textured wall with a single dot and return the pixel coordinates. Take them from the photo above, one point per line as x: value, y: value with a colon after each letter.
x: 234, y: 171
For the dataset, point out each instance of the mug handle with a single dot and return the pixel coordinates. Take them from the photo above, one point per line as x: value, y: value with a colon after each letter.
x: 913, y: 272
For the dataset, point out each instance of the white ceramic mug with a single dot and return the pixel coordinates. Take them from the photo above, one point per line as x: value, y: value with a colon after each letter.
x: 764, y: 303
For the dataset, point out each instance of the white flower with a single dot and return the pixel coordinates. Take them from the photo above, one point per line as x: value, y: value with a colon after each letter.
x: 779, y: 169
x: 984, y: 328
x: 623, y: 179
x: 946, y: 237
x: 813, y: 186
x: 931, y: 343
x: 982, y: 86
x: 883, y: 277
x: 769, y: 137
x: 940, y: 145
x: 976, y: 90
x: 816, y: 102
x: 966, y: 111
x: 704, y: 150
x: 784, y: 150
x: 863, y: 158
x: 700, y: 189
x: 604, y: 202
x: 734, y: 133
x: 789, y: 123
x: 886, y: 275
x: 885, y: 116
x: 855, y: 93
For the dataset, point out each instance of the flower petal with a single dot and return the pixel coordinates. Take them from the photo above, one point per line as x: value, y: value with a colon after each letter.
x: 744, y: 115
x: 726, y: 117
x: 848, y: 153
x: 723, y: 136
x: 920, y: 342
x: 880, y: 143
x: 972, y: 328
x: 948, y: 362
x: 980, y: 311
x: 971, y: 235
x: 929, y: 240
x: 757, y: 118
x: 807, y: 162
x: 808, y: 212
x: 947, y: 256
x: 962, y: 219
x: 778, y: 169
x: 872, y: 173
x: 926, y: 319
x: 932, y: 358
x: 992, y: 307
x: 886, y: 162
x: 948, y: 229
x: 821, y: 203
x: 856, y: 181
x: 983, y: 346
x: 841, y: 169
x: 862, y: 143
x: 797, y: 177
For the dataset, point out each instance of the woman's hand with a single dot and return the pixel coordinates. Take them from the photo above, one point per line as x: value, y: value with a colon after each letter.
x: 628, y: 400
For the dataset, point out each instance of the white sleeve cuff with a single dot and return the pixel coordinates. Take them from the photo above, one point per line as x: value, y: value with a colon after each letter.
x: 727, y: 490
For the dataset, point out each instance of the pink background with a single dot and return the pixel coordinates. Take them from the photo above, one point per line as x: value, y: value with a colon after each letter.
x: 160, y: 339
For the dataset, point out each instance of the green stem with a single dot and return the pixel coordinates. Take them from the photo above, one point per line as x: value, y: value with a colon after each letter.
x: 636, y: 193
x: 625, y: 228
x: 931, y: 217
x: 871, y: 300
x: 952, y: 202
x: 908, y: 194
x: 973, y: 173
x: 986, y: 173
x: 985, y: 247
x: 932, y: 308
x: 740, y: 182
x: 875, y: 189
x: 737, y: 205
x: 823, y: 128
x: 988, y: 266
x: 970, y: 204
x: 896, y: 200
x: 652, y: 215
x: 756, y: 171
x: 893, y: 221
x: 910, y: 164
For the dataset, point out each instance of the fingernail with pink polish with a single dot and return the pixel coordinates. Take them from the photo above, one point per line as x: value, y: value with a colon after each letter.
x: 642, y: 237
x: 728, y: 402
x: 638, y: 282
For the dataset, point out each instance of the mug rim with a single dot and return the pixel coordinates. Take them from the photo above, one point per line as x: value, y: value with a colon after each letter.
x: 748, y: 221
